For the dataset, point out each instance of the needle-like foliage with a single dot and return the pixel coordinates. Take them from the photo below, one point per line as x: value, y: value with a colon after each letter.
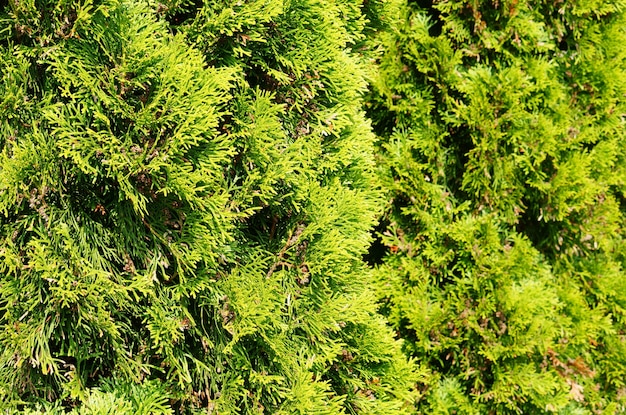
x: 504, y: 161
x: 186, y: 193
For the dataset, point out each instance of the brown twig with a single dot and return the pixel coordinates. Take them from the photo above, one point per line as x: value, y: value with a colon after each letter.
x: 290, y: 242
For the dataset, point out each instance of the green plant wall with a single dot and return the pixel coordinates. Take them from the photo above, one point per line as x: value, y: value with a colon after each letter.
x: 501, y: 257
x: 186, y: 193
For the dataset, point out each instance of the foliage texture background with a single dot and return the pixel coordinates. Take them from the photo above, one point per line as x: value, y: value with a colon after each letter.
x: 503, y: 156
x: 188, y: 191
x: 178, y: 184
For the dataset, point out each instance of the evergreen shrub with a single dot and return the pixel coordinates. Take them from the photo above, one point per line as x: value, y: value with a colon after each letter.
x: 503, y: 155
x: 187, y: 190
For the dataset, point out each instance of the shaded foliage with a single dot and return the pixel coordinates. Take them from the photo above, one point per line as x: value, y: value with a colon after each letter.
x: 503, y: 158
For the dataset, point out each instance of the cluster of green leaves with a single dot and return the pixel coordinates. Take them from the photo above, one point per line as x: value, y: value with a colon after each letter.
x: 503, y: 158
x: 186, y: 193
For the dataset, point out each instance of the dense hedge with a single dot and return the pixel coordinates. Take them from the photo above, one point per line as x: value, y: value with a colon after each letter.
x: 186, y: 193
x: 504, y: 160
x: 189, y: 189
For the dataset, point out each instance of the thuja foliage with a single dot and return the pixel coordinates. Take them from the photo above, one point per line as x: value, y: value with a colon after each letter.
x: 186, y: 193
x: 503, y: 155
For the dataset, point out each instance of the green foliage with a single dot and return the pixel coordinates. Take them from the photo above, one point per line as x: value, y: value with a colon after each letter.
x: 186, y: 193
x: 187, y: 190
x: 503, y: 158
